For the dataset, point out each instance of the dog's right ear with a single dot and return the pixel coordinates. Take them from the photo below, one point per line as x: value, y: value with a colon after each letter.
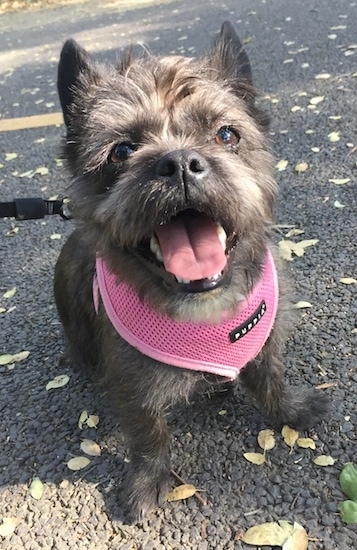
x: 74, y: 60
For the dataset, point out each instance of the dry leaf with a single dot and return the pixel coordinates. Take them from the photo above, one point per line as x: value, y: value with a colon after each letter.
x: 36, y: 488
x: 265, y: 534
x: 322, y: 76
x: 82, y: 419
x: 286, y: 248
x: 55, y: 236
x: 299, y: 248
x: 301, y: 167
x: 58, y: 382
x: 7, y: 358
x: 42, y: 170
x: 339, y: 181
x: 324, y: 460
x: 306, y: 443
x: 302, y: 305
x: 78, y: 463
x: 8, y: 526
x: 281, y: 165
x: 255, y: 458
x: 266, y: 440
x: 285, y: 251
x: 10, y: 156
x: 348, y: 281
x: 295, y: 108
x: 298, y: 539
x: 290, y: 436
x: 338, y: 204
x: 10, y: 293
x: 294, y: 232
x: 92, y: 421
x: 181, y: 492
x: 334, y: 136
x: 90, y: 447
x: 315, y: 149
x: 317, y: 99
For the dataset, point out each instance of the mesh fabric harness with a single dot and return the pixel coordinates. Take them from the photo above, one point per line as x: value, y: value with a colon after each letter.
x: 222, y: 349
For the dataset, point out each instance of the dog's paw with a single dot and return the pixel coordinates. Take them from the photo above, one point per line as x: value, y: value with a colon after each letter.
x: 304, y: 408
x: 145, y: 490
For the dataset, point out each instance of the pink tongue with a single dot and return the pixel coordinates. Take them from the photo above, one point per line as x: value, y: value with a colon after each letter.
x: 191, y: 248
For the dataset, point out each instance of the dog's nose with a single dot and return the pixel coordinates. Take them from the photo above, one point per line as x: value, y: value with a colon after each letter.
x: 182, y: 166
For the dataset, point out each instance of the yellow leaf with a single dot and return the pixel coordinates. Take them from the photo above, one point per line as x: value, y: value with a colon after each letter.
x: 334, y: 136
x: 10, y: 156
x: 338, y: 204
x: 290, y: 436
x: 78, y: 463
x: 58, y: 382
x: 266, y: 440
x: 92, y: 421
x: 348, y: 281
x: 255, y: 458
x: 10, y: 293
x: 324, y: 460
x: 317, y: 99
x: 294, y: 232
x: 295, y: 108
x: 56, y: 237
x: 302, y: 305
x: 90, y: 447
x: 8, y: 526
x: 339, y: 181
x: 36, y: 488
x: 306, y: 443
x: 82, y: 419
x: 42, y: 170
x: 285, y: 251
x: 301, y: 167
x: 281, y: 165
x: 298, y: 539
x: 265, y: 534
x: 6, y: 359
x: 181, y: 492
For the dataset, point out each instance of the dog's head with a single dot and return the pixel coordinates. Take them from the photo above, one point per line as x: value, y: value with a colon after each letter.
x: 171, y: 171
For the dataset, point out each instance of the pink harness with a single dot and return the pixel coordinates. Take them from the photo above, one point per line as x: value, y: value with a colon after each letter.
x: 222, y: 349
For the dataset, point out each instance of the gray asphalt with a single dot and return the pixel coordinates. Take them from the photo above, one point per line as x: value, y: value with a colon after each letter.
x: 289, y: 43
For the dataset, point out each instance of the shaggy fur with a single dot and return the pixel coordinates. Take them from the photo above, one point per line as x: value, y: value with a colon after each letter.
x: 168, y: 114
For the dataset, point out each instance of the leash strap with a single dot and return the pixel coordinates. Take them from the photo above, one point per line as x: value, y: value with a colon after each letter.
x: 34, y: 209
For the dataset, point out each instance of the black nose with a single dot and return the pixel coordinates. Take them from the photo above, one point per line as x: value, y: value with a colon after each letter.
x: 183, y: 166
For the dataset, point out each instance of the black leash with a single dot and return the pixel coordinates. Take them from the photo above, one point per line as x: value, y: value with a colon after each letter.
x: 35, y: 208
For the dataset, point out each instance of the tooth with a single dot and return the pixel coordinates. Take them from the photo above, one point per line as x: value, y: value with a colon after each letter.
x: 155, y: 249
x: 183, y: 281
x: 222, y: 235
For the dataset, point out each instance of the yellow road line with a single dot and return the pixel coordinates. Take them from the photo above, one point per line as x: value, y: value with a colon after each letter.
x: 36, y: 121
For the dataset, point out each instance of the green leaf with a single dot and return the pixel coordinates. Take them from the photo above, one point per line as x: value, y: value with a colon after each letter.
x: 348, y: 481
x: 348, y: 510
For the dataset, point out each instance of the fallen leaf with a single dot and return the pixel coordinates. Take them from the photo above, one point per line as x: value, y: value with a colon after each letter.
x: 42, y: 170
x: 58, y: 382
x: 334, y: 136
x: 338, y: 204
x: 299, y: 248
x: 2, y: 309
x: 290, y: 436
x: 90, y: 447
x: 322, y: 76
x: 265, y: 534
x: 295, y: 108
x: 255, y: 458
x: 298, y: 539
x: 301, y: 167
x: 82, y: 419
x: 92, y: 421
x: 339, y: 181
x: 8, y: 526
x: 181, y: 492
x: 10, y: 293
x: 36, y: 488
x: 294, y: 232
x: 302, y: 305
x: 78, y: 463
x: 10, y: 156
x: 306, y: 443
x: 348, y: 510
x: 55, y: 237
x: 266, y: 440
x: 317, y: 99
x: 324, y: 460
x: 281, y: 165
x: 7, y: 358
x: 315, y: 149
x: 287, y: 247
x: 285, y: 251
x: 309, y: 131
x: 348, y: 281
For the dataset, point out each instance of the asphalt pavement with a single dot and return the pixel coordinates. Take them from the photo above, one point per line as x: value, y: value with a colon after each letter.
x: 313, y: 124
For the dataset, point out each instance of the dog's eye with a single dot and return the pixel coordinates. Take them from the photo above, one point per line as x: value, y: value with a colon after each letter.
x: 121, y: 152
x: 227, y: 136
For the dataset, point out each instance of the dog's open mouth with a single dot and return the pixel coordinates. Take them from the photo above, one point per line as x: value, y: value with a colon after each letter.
x: 194, y: 249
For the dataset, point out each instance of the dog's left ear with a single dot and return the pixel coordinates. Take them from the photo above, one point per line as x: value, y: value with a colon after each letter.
x: 229, y: 56
x: 74, y: 61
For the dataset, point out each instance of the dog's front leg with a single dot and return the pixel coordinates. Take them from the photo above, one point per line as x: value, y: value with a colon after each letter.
x: 149, y: 470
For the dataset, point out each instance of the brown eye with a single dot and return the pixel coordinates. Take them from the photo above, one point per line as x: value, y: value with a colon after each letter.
x: 227, y: 136
x: 121, y: 152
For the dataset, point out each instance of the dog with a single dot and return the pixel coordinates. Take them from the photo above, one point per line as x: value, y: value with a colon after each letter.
x: 169, y: 285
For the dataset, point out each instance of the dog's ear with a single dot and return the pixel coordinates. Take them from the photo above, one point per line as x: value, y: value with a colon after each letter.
x: 229, y: 57
x: 74, y: 60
